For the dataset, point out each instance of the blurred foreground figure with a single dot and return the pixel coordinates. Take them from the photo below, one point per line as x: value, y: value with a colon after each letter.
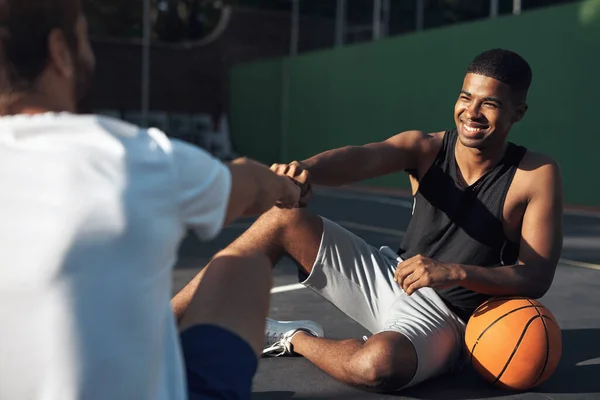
x: 93, y: 210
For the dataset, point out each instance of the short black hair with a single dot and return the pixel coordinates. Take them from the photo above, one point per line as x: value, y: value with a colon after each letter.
x: 24, y: 29
x: 505, y: 66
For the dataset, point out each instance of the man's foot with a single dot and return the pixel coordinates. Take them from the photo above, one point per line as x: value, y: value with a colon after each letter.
x: 278, y: 335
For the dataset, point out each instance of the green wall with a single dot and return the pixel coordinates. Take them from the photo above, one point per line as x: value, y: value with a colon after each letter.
x: 291, y: 109
x: 257, y: 109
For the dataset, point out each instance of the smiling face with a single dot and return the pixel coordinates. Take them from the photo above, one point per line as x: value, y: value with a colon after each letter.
x: 485, y: 111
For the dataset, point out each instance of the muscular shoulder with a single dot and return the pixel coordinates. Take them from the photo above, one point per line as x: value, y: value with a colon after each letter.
x: 539, y: 175
x: 423, y: 146
x: 433, y: 142
x: 417, y: 143
x: 416, y: 140
x: 538, y: 166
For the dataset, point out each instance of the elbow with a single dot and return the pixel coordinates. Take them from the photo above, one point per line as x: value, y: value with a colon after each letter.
x: 540, y: 288
x: 538, y: 278
x: 537, y: 294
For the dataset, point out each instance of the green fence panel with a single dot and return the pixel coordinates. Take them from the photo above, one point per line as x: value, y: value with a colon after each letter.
x: 368, y: 92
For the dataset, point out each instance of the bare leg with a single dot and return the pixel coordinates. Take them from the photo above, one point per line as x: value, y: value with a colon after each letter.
x: 233, y: 294
x: 182, y: 300
x: 296, y: 233
x: 384, y: 363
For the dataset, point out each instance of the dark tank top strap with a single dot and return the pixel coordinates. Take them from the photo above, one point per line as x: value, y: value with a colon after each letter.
x: 442, y: 156
x: 446, y: 156
x: 514, y: 154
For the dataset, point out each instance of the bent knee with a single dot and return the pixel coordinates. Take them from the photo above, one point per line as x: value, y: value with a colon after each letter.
x: 383, y: 367
x: 296, y: 220
x: 282, y: 216
x: 382, y: 377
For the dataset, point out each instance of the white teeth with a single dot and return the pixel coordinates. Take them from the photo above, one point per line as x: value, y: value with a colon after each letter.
x: 471, y: 129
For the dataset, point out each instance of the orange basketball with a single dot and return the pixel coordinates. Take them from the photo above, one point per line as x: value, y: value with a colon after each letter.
x: 514, y: 343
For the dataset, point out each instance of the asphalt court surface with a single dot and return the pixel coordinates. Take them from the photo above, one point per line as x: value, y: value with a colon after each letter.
x: 574, y: 298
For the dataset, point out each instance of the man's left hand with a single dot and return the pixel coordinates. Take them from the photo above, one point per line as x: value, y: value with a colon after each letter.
x: 420, y: 271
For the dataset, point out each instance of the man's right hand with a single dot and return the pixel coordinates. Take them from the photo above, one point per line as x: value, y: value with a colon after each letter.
x: 290, y: 197
x: 300, y: 175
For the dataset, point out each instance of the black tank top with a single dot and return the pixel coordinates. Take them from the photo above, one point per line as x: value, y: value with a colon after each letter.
x: 456, y: 223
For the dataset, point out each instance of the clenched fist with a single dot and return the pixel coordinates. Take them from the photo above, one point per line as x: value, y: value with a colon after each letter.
x: 301, y: 177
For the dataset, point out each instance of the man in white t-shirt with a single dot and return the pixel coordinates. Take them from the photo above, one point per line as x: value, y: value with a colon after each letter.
x: 93, y: 210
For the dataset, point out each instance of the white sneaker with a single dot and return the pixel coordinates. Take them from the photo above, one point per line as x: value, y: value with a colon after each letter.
x: 279, y: 334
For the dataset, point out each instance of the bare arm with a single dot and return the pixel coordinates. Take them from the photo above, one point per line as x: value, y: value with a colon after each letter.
x: 352, y: 164
x: 541, y: 245
x: 255, y: 189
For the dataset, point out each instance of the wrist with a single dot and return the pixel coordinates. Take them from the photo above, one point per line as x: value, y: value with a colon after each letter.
x: 283, y: 186
x: 306, y: 165
x: 460, y: 273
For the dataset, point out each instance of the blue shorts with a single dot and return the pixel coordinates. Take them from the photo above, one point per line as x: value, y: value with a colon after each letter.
x: 219, y: 364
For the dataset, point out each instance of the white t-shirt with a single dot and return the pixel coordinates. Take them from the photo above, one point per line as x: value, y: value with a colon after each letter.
x: 92, y: 211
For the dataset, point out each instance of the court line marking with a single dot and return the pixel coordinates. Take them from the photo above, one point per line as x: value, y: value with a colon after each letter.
x: 582, y: 213
x: 573, y: 263
x: 591, y: 361
x: 287, y: 288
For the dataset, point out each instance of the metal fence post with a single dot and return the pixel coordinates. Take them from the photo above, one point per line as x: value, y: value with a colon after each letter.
x: 376, y: 19
x: 146, y: 64
x: 420, y: 15
x: 387, y: 10
x: 516, y: 7
x: 294, y: 34
x: 493, y: 8
x: 340, y: 23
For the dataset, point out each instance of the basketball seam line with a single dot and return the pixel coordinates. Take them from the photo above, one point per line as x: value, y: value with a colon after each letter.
x: 547, y: 347
x: 547, y: 351
x: 492, y: 324
x: 515, y: 348
x: 497, y: 299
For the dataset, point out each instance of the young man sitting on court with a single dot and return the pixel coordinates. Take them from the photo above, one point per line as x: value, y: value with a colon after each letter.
x: 486, y: 221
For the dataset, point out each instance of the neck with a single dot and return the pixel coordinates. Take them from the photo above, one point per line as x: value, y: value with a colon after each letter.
x: 474, y: 163
x: 33, y: 103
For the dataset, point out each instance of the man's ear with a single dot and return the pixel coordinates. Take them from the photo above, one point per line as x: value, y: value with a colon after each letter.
x: 520, y: 112
x: 59, y: 55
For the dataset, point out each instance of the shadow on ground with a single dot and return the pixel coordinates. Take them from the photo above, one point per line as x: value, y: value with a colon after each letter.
x: 577, y: 373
